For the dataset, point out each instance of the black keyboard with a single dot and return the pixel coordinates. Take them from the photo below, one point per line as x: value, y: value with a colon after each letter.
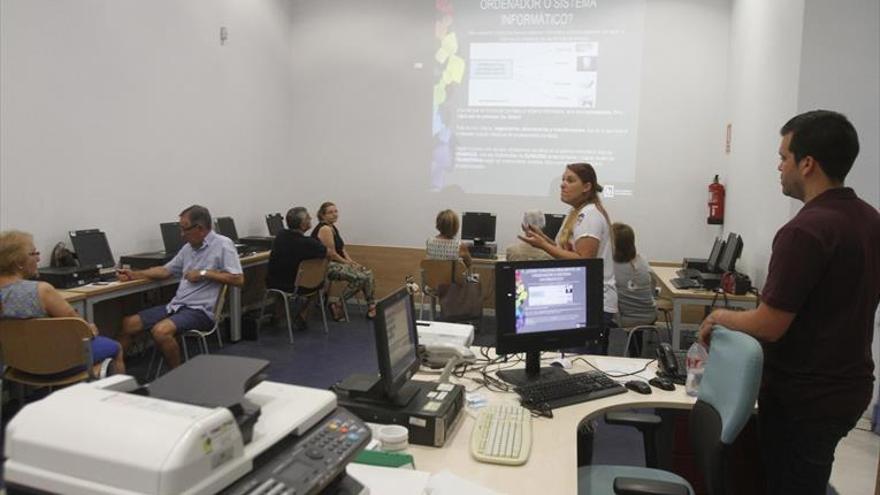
x: 688, y: 273
x: 685, y: 283
x: 572, y: 389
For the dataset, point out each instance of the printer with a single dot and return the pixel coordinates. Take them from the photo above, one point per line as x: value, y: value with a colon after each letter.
x: 441, y: 332
x: 209, y: 426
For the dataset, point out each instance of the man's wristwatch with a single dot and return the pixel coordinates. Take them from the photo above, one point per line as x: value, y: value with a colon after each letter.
x: 203, y: 274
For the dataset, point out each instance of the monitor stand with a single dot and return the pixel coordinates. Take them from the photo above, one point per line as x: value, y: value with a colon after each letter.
x: 369, y: 388
x: 532, y: 373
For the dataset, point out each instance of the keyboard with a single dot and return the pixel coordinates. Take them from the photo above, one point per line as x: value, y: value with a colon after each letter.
x: 502, y: 434
x: 572, y: 389
x: 685, y: 283
x: 688, y: 273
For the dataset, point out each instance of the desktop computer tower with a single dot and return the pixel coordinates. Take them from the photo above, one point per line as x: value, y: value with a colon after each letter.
x: 143, y: 261
x: 67, y: 277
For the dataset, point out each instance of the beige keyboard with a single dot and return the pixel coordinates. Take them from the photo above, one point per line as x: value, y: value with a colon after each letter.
x: 502, y: 434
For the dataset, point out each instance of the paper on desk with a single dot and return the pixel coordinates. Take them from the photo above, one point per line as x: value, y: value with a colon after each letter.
x: 391, y: 481
x: 446, y: 483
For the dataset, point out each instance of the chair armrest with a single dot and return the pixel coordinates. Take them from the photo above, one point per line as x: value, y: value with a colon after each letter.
x: 636, y: 420
x: 641, y: 486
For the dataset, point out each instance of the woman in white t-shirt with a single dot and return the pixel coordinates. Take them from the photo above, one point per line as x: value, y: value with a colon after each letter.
x: 585, y: 233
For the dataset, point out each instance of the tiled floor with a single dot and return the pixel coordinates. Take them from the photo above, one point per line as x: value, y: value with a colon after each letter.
x: 855, y: 463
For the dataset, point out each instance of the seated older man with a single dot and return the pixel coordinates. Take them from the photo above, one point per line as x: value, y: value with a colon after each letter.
x: 205, y: 263
x: 520, y: 251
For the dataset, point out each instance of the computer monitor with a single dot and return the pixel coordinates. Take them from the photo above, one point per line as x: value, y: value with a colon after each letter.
x: 715, y: 256
x: 478, y: 227
x: 396, y: 346
x: 546, y: 306
x: 171, y: 237
x: 225, y: 226
x: 552, y: 224
x: 92, y: 248
x: 275, y: 223
x: 732, y: 250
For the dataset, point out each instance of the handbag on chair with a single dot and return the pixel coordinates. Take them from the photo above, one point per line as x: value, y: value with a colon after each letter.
x: 462, y: 300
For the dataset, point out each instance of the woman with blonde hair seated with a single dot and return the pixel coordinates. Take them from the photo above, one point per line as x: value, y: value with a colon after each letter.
x: 446, y: 245
x: 635, y: 285
x: 23, y: 298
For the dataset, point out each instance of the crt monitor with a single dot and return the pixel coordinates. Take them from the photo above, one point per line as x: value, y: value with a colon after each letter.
x: 396, y: 346
x: 732, y: 251
x: 546, y: 306
x: 171, y: 237
x: 552, y: 224
x: 226, y: 227
x: 715, y: 256
x: 275, y: 223
x: 478, y: 227
x: 92, y: 248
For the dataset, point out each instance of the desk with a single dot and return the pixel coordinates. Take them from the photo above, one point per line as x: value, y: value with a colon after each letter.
x: 552, y: 464
x: 84, y: 298
x: 697, y: 297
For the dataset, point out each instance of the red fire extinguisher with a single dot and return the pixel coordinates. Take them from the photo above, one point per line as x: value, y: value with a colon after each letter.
x: 716, y: 203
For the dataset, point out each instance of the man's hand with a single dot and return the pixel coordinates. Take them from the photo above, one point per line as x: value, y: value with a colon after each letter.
x: 706, y: 327
x: 194, y: 276
x: 124, y: 274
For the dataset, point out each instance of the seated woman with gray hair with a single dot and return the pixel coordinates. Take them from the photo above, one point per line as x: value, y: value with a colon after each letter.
x: 521, y: 251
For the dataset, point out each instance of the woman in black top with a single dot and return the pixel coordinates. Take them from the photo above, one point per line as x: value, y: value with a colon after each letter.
x: 342, y: 267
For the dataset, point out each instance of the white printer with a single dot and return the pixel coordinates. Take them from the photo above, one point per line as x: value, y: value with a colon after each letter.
x: 205, y: 427
x: 441, y: 332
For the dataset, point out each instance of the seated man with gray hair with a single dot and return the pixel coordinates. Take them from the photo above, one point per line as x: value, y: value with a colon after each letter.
x: 520, y: 251
x: 290, y: 248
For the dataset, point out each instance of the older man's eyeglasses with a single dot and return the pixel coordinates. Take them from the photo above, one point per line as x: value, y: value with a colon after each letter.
x: 34, y: 253
x: 187, y: 229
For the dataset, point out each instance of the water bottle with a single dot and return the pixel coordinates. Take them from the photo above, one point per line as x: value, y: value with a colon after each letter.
x: 696, y: 362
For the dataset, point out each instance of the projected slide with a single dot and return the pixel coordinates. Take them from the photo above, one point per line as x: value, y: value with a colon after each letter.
x: 524, y: 87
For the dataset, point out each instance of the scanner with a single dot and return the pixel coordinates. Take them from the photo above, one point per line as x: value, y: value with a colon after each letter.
x: 212, y: 425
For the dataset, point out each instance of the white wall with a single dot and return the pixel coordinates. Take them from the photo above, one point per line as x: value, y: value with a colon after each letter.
x: 363, y: 121
x: 118, y: 114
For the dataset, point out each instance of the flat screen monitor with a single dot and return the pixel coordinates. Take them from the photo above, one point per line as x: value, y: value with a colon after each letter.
x: 715, y: 255
x: 546, y: 306
x: 552, y: 224
x: 396, y: 346
x: 92, y: 248
x: 478, y: 227
x: 171, y: 237
x: 225, y: 226
x: 275, y: 223
x: 732, y: 251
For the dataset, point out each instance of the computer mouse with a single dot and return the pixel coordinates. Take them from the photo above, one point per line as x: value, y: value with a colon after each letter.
x: 561, y: 363
x: 662, y: 383
x: 638, y: 386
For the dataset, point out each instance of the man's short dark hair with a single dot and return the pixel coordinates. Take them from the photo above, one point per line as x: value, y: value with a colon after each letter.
x: 826, y: 136
x: 198, y: 215
x: 295, y: 217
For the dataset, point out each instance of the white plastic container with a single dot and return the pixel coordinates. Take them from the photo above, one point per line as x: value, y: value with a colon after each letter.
x: 393, y: 437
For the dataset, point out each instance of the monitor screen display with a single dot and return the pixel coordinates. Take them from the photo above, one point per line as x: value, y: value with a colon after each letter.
x: 552, y: 224
x: 92, y: 248
x: 732, y: 250
x: 275, y: 223
x: 546, y: 306
x: 171, y: 237
x: 478, y: 226
x: 226, y: 227
x: 715, y: 255
x: 396, y: 341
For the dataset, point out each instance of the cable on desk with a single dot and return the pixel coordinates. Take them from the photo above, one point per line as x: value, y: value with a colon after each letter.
x: 617, y: 375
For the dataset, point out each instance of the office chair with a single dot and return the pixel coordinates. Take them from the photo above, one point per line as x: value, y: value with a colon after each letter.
x: 437, y: 275
x: 726, y: 400
x: 200, y: 335
x: 37, y: 352
x: 311, y: 280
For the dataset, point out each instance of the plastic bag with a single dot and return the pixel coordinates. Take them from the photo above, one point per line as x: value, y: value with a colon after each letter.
x: 697, y: 356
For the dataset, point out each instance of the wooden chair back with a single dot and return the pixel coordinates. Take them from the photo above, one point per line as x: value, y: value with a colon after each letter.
x: 221, y: 302
x: 439, y: 273
x: 45, y: 346
x: 311, y: 273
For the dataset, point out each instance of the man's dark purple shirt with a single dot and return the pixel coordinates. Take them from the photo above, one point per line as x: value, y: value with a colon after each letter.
x: 825, y: 268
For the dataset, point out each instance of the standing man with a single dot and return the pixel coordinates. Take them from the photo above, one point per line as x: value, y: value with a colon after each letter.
x: 817, y: 311
x: 204, y: 264
x: 290, y: 248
